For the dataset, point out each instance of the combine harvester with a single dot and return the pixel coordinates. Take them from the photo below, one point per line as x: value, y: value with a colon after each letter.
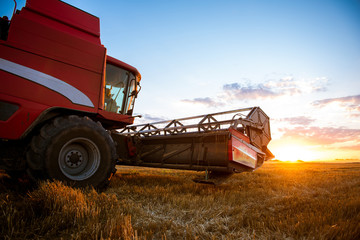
x: 66, y: 107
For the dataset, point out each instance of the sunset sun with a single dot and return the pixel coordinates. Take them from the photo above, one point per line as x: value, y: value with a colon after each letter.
x: 295, y: 152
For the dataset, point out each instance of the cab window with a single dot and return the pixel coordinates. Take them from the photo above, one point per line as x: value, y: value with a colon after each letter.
x: 120, y: 90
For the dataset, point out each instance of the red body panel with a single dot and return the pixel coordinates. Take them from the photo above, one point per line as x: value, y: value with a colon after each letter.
x: 239, y: 151
x: 123, y: 65
x: 242, y: 154
x: 53, y: 58
x: 69, y: 15
x: 86, y: 81
x: 46, y: 37
x: 22, y: 119
x: 119, y: 118
x: 239, y: 135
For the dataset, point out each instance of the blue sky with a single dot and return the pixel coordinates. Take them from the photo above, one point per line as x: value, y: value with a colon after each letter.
x: 299, y: 60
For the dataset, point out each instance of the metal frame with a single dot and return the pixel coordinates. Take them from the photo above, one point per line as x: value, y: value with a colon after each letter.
x: 206, y: 123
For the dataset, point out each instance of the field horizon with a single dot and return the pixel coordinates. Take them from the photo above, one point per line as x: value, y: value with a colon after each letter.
x: 280, y: 200
x: 340, y: 160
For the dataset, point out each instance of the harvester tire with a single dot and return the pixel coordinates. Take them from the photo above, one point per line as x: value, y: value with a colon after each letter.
x: 74, y: 150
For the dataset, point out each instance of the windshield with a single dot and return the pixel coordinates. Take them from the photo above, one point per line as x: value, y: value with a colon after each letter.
x: 120, y: 90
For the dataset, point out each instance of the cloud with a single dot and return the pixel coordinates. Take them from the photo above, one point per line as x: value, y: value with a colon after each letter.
x: 287, y: 86
x: 290, y: 84
x: 301, y: 120
x: 322, y: 135
x: 355, y: 147
x: 236, y: 91
x: 350, y: 102
x: 209, y: 102
x: 148, y: 118
x: 355, y: 115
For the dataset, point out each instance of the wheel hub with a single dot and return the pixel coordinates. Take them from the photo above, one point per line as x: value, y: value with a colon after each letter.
x: 74, y: 159
x: 79, y: 158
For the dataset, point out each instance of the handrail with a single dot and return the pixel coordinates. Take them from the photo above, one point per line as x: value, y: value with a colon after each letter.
x: 194, y: 117
x: 207, y: 123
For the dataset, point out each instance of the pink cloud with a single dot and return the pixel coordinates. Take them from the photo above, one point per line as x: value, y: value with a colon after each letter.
x: 274, y: 88
x: 207, y: 101
x: 301, y: 120
x: 236, y: 91
x: 352, y: 102
x: 322, y: 136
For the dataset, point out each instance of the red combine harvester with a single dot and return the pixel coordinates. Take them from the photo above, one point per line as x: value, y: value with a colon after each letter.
x: 66, y: 107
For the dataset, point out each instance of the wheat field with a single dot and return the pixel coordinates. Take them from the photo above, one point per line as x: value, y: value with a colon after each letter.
x: 277, y: 201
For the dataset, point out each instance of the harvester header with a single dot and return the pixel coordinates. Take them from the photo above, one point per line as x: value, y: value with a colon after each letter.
x: 230, y: 141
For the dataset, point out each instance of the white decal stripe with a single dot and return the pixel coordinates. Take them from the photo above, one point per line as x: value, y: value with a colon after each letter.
x: 55, y: 84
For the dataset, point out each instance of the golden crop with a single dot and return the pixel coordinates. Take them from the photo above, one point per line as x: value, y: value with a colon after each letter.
x: 277, y: 201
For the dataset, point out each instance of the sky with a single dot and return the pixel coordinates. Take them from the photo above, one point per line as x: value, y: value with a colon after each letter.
x: 299, y: 60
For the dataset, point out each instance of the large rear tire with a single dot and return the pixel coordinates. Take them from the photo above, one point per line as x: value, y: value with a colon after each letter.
x: 75, y: 150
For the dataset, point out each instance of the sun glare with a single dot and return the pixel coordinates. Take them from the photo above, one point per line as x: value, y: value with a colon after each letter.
x: 294, y: 153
